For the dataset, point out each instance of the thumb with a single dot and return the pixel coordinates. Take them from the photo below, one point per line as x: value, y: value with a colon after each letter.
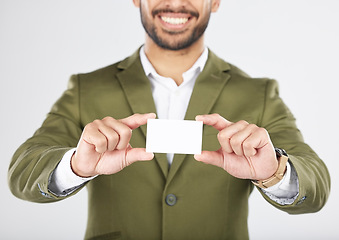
x: 214, y: 120
x: 210, y: 157
x: 138, y: 154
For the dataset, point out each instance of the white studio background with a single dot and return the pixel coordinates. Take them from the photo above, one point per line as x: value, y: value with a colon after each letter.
x: 43, y: 42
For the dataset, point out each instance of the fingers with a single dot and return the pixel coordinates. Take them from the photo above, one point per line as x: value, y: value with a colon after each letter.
x: 137, y: 120
x: 117, y: 135
x: 104, y: 146
x: 109, y: 134
x: 240, y: 138
x: 243, y: 138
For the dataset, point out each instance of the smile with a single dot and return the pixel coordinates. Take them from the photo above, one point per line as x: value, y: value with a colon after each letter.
x: 174, y: 21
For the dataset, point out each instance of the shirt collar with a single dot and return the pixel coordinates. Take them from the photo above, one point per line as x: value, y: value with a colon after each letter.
x: 149, y: 69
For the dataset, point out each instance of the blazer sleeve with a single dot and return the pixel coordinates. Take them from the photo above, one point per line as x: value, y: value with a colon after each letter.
x: 313, y: 175
x: 35, y: 160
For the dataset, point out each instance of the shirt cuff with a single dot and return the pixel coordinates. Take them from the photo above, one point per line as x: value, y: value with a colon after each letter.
x: 63, y: 180
x: 287, y: 190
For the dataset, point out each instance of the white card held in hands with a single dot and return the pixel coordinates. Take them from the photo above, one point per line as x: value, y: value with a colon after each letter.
x: 174, y: 136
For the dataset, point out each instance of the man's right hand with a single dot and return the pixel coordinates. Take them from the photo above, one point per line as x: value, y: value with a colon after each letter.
x: 104, y: 146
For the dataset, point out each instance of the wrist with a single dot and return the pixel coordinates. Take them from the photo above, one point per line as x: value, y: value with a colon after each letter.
x: 75, y: 169
x: 64, y: 180
x: 282, y: 159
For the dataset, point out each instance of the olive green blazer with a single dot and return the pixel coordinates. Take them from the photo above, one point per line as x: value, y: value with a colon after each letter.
x: 149, y: 200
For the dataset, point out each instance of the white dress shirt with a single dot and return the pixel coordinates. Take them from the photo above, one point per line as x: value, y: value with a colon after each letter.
x: 171, y: 102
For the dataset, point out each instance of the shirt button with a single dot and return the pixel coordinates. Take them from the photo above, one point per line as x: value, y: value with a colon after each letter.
x: 171, y: 200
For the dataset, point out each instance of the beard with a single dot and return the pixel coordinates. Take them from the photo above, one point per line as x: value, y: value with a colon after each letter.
x: 170, y: 42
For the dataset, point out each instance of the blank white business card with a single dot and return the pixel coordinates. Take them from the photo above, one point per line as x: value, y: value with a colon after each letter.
x: 174, y: 136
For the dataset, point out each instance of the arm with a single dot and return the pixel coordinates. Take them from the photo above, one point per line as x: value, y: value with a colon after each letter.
x: 247, y: 152
x: 313, y: 176
x: 34, y: 162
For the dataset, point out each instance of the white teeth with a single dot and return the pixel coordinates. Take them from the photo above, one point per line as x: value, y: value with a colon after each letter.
x: 174, y: 21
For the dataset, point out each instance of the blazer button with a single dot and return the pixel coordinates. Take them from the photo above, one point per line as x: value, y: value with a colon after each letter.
x: 171, y: 200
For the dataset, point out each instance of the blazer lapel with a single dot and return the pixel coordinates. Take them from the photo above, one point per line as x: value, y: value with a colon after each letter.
x: 207, y: 88
x: 136, y: 86
x: 138, y: 92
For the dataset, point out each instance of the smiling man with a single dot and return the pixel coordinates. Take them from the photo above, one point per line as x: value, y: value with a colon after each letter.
x: 94, y: 136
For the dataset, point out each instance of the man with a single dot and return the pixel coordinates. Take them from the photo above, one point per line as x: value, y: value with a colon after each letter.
x: 96, y: 130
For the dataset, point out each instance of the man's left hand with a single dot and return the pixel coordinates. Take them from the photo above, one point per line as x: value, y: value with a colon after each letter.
x: 246, y: 150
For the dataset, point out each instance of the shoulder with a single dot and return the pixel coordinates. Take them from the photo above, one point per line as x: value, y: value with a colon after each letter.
x: 235, y: 74
x: 109, y: 73
x: 247, y: 82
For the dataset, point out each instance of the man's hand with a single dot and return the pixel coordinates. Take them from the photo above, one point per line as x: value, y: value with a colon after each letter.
x: 104, y: 146
x: 246, y: 150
